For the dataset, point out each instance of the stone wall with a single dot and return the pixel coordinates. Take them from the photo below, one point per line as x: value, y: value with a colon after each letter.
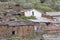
x: 7, y: 31
x: 43, y: 26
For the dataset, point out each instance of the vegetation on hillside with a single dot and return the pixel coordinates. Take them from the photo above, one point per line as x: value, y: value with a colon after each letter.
x: 43, y: 5
x: 43, y: 8
x: 54, y: 4
x: 49, y: 5
x: 24, y: 18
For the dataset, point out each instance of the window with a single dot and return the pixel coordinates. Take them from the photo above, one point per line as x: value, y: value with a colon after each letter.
x: 19, y: 14
x: 32, y: 13
x: 47, y: 24
x: 36, y: 27
x: 13, y: 32
x: 42, y: 1
x: 13, y: 26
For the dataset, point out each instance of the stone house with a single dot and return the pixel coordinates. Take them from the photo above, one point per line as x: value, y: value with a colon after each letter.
x: 53, y: 28
x: 10, y: 25
x: 52, y: 15
x: 19, y: 28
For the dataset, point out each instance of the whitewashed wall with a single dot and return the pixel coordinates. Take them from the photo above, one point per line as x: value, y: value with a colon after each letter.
x: 37, y: 14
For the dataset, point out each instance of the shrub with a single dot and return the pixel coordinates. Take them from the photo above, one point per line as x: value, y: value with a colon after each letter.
x: 26, y: 18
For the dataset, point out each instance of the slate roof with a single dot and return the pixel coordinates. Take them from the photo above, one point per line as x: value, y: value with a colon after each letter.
x: 9, y: 12
x: 56, y: 18
x: 40, y: 20
x: 16, y: 23
x: 53, y: 13
x: 56, y: 22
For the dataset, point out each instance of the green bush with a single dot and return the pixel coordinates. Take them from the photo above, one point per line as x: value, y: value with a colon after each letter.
x: 26, y: 18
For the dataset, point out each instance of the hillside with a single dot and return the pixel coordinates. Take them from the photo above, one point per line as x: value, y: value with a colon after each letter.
x: 21, y: 0
x: 43, y: 5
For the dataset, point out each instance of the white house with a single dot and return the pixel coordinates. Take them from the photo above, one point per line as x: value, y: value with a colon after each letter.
x: 33, y: 12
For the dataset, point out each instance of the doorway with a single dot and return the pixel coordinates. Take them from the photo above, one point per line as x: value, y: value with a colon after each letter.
x: 13, y: 32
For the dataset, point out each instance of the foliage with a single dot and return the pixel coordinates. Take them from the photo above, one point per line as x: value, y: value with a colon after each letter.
x: 19, y: 38
x: 43, y: 8
x: 27, y: 5
x: 26, y: 18
x: 14, y: 38
x: 27, y: 1
x: 6, y: 4
x: 37, y: 33
x: 55, y: 4
x: 47, y: 5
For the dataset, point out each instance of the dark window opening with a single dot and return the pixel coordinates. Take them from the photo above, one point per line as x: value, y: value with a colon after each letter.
x: 47, y: 24
x: 13, y: 32
x: 19, y: 14
x: 13, y: 26
x: 32, y: 13
x: 42, y: 1
x: 17, y: 5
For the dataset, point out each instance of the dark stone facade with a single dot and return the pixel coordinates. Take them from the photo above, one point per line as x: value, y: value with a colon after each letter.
x: 23, y: 30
